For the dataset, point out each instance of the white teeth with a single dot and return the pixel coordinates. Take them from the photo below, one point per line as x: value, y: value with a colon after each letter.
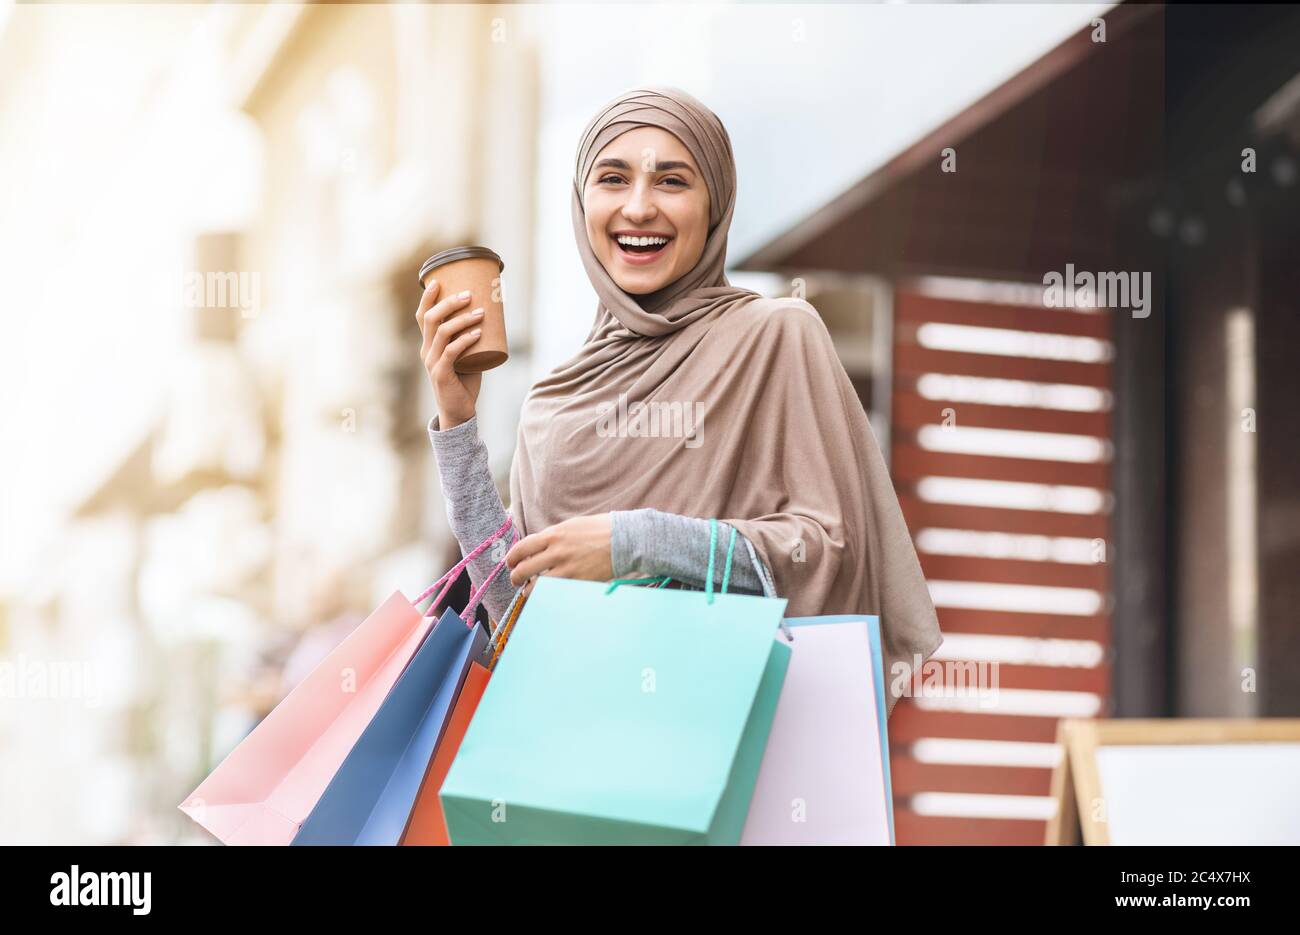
x: 642, y: 241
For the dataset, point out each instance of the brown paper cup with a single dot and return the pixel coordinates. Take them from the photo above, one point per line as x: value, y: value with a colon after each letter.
x: 477, y: 269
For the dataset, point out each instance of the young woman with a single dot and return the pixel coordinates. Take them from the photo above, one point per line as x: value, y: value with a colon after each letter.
x: 690, y: 399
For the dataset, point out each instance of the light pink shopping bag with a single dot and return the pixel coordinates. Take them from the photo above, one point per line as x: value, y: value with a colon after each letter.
x: 825, y: 772
x: 265, y: 788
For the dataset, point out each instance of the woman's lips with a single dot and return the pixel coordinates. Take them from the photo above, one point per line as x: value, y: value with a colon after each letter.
x: 640, y: 259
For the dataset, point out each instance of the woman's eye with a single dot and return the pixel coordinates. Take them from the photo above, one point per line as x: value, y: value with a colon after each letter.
x: 617, y: 178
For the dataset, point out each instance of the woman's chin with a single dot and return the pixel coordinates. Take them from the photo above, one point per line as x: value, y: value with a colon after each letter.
x: 640, y: 288
x: 635, y: 285
x: 639, y: 282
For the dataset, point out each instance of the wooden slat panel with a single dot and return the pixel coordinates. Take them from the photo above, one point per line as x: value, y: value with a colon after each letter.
x: 909, y: 722
x: 910, y: 462
x: 911, y: 307
x: 913, y: 411
x: 1011, y: 623
x: 922, y: 513
x: 911, y: 828
x: 909, y: 776
x: 911, y: 358
x: 1014, y: 571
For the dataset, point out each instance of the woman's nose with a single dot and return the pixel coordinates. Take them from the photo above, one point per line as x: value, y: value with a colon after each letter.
x: 640, y: 204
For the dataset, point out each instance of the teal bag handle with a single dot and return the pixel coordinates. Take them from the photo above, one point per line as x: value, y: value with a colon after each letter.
x: 658, y: 582
x: 726, y: 573
x: 708, y: 580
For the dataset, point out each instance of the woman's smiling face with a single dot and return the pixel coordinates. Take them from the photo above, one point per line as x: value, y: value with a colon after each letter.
x: 645, y: 183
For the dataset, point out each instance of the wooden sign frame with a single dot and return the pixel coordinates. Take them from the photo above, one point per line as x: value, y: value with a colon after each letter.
x: 1076, y: 781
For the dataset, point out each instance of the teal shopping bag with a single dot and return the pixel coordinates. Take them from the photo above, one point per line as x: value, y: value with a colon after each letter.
x: 625, y: 716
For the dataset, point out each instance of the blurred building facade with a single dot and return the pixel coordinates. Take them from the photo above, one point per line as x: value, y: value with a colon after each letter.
x: 290, y: 167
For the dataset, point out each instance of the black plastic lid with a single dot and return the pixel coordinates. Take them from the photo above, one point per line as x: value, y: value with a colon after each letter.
x: 458, y: 253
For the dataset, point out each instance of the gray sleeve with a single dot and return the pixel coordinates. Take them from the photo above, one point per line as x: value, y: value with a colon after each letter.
x: 653, y: 542
x: 474, y: 506
x: 644, y: 541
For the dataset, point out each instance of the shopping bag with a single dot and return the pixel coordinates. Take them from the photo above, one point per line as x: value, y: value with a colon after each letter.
x: 426, y: 824
x: 265, y: 787
x: 369, y: 800
x: 825, y: 773
x: 637, y: 715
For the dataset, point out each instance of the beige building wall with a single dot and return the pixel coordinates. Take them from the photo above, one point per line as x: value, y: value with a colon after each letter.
x: 271, y: 475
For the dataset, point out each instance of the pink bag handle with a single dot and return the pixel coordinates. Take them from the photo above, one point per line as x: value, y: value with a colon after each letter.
x: 450, y: 577
x: 467, y: 616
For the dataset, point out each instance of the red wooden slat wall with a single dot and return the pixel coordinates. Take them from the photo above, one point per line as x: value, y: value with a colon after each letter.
x: 910, y: 463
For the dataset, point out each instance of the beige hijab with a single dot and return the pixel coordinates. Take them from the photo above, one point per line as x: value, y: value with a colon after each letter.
x: 781, y: 446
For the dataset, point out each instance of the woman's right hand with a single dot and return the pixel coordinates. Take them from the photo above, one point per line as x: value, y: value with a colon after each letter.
x: 448, y: 329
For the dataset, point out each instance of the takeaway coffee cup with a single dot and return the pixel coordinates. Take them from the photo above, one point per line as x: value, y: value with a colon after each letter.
x: 477, y: 269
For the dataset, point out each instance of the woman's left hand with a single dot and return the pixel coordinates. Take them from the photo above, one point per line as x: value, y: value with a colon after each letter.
x: 575, y: 548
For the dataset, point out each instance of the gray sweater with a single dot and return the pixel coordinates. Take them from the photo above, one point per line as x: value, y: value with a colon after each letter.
x: 643, y: 541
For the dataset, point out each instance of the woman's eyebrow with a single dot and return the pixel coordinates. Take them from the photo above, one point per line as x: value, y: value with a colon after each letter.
x: 665, y: 166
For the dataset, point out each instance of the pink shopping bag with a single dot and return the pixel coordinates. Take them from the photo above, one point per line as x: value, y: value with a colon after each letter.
x: 267, y: 786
